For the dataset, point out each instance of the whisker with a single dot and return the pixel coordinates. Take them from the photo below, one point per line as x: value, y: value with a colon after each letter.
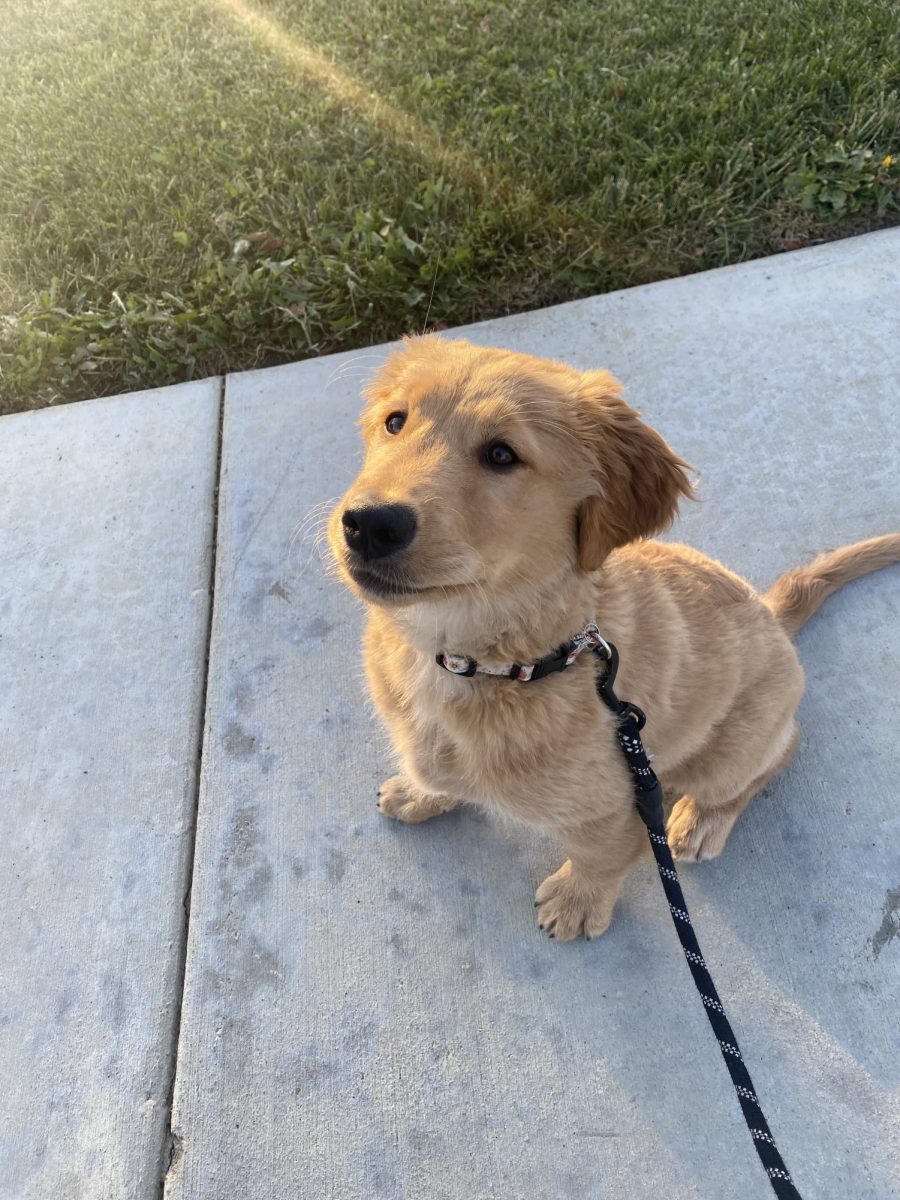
x: 358, y: 360
x: 315, y: 522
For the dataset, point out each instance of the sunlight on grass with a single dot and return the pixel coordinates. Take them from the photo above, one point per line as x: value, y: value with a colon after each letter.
x: 188, y: 188
x: 324, y: 73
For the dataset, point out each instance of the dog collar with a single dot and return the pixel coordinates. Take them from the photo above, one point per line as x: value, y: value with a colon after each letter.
x: 590, y: 638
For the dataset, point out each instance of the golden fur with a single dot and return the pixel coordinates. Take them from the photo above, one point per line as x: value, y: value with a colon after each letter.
x: 508, y: 564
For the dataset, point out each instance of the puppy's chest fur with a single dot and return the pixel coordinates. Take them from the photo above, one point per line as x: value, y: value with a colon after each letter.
x: 693, y: 639
x: 516, y: 746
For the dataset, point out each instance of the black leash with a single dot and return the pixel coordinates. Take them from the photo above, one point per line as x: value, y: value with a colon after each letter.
x: 648, y: 794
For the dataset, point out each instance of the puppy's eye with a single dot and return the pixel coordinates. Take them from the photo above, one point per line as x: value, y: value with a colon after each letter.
x: 498, y: 454
x: 395, y: 422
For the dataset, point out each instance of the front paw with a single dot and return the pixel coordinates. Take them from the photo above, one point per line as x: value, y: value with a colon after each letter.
x: 567, y: 905
x: 696, y: 834
x: 402, y: 800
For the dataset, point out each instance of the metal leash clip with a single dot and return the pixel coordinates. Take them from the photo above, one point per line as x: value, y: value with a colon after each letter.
x: 591, y: 637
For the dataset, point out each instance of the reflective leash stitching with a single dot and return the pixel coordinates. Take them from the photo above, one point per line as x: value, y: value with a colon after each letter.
x: 648, y: 794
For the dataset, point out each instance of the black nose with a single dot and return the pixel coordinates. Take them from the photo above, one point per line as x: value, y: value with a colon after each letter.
x: 379, y: 530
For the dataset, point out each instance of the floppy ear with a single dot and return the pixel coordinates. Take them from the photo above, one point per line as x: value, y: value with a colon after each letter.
x: 640, y: 478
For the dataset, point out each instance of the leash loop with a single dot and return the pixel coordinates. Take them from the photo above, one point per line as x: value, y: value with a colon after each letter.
x: 624, y: 709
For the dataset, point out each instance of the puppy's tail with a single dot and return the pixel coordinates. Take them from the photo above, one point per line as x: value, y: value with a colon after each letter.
x: 796, y: 595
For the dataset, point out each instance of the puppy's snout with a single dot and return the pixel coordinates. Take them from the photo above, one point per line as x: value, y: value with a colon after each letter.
x: 376, y: 531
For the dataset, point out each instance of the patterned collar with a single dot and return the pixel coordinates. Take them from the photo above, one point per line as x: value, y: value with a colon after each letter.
x: 590, y: 638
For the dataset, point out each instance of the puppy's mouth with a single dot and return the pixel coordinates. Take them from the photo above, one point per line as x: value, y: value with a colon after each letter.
x: 398, y: 589
x: 379, y: 585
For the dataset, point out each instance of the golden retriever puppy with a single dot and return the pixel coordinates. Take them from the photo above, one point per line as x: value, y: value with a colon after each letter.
x: 501, y: 508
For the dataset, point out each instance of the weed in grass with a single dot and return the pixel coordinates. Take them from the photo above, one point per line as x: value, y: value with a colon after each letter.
x: 844, y: 182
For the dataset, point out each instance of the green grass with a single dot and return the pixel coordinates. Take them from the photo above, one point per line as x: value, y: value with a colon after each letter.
x: 184, y: 191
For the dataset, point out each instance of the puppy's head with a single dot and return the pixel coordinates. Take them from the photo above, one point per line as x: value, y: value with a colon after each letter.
x: 487, y: 470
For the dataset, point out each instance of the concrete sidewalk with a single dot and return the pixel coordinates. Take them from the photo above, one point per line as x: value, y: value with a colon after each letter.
x: 369, y: 1010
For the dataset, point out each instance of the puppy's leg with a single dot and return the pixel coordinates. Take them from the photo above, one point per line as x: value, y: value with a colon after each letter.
x: 700, y: 823
x: 403, y: 800
x: 424, y: 788
x: 581, y: 895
